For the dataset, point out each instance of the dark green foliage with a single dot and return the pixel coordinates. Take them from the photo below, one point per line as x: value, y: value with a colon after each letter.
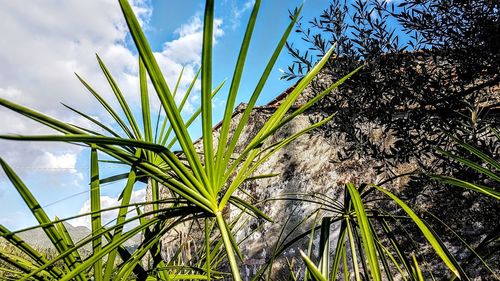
x: 430, y: 68
x: 414, y: 83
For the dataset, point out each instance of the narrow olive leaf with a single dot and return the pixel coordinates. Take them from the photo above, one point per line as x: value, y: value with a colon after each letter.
x: 88, y: 131
x: 146, y: 112
x: 324, y: 246
x: 381, y: 253
x: 471, y: 164
x: 314, y: 271
x: 233, y: 91
x: 192, y: 118
x: 366, y: 234
x: 257, y: 91
x: 89, y: 139
x: 483, y: 156
x: 155, y: 193
x: 189, y: 90
x: 114, y: 178
x: 316, y: 98
x: 228, y: 244
x: 463, y: 275
x: 40, y: 215
x: 67, y: 239
x: 496, y: 133
x: 40, y: 117
x: 102, y: 126
x: 467, y: 245
x: 339, y: 249
x: 164, y: 125
x: 208, y: 254
x: 163, y: 139
x: 206, y: 89
x: 424, y: 229
x: 354, y: 255
x: 106, y: 106
x: 95, y: 208
x: 464, y: 184
x: 158, y: 116
x: 162, y: 90
x: 290, y: 99
x: 418, y: 272
x: 344, y: 264
x: 263, y: 176
x: 28, y: 250
x: 121, y: 100
x: 290, y: 264
x: 311, y: 242
x: 397, y: 248
x: 178, y: 82
x: 362, y: 253
x: 246, y: 205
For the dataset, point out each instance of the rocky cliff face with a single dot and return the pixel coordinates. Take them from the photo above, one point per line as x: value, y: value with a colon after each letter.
x: 311, y: 165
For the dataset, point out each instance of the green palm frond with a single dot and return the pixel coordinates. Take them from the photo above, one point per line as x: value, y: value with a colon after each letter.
x: 205, y: 180
x: 487, y: 166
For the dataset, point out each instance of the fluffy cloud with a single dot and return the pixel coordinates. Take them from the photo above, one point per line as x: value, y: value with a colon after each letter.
x: 44, y: 43
x: 48, y: 160
x: 185, y: 51
x: 238, y: 11
x: 187, y: 48
x: 107, y: 202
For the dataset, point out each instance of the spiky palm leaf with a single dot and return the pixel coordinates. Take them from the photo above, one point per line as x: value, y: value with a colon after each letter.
x: 208, y: 183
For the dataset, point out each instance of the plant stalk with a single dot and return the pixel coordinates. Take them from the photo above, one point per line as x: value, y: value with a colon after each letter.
x: 207, y: 244
x: 235, y: 271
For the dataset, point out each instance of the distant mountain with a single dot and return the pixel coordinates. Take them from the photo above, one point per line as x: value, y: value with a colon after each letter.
x: 38, y: 239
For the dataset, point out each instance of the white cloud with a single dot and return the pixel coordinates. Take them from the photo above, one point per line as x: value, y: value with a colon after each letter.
x: 185, y: 51
x: 57, y: 161
x: 107, y: 202
x: 187, y: 48
x: 237, y: 12
x: 44, y: 43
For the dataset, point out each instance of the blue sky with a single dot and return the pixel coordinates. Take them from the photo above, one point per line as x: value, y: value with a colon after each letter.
x: 44, y: 43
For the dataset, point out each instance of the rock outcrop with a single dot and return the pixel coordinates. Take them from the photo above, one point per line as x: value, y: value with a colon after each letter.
x: 311, y: 165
